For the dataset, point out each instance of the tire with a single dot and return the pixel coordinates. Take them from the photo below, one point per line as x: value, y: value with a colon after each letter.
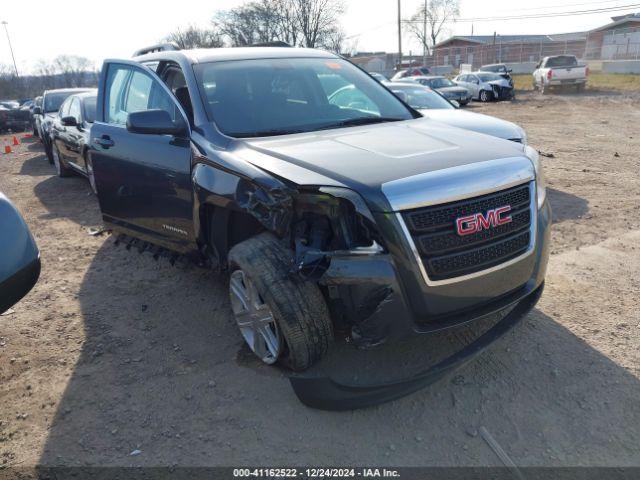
x: 297, y: 306
x: 90, y: 175
x: 61, y: 169
x: 48, y: 150
x: 543, y: 90
x: 580, y: 88
x: 485, y: 96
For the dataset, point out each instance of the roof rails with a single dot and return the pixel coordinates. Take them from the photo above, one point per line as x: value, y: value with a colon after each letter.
x: 161, y: 47
x: 276, y: 43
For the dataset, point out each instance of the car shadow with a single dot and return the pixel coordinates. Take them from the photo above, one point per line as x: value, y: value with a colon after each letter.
x: 163, y: 379
x: 37, y: 166
x: 68, y: 197
x: 566, y: 206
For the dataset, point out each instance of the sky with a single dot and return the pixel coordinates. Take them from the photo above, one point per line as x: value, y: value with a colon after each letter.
x: 116, y: 28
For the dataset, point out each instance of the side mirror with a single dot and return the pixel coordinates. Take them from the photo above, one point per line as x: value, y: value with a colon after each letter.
x: 69, y: 121
x: 154, y: 122
x: 455, y: 103
x: 20, y: 260
x: 37, y: 111
x: 509, y: 70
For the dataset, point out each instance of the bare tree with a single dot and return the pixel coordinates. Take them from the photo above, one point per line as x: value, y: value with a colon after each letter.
x: 194, y: 37
x: 254, y: 22
x: 309, y: 23
x: 317, y: 19
x: 438, y: 13
x: 73, y: 70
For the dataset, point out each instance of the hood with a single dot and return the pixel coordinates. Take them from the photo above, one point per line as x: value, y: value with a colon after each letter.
x: 501, y: 83
x: 452, y: 90
x: 476, y: 122
x: 363, y: 158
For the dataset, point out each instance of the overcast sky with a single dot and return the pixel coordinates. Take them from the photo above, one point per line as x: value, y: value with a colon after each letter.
x: 44, y: 29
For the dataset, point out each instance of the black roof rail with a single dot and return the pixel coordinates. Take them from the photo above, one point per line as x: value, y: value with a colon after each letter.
x: 276, y: 43
x: 161, y: 47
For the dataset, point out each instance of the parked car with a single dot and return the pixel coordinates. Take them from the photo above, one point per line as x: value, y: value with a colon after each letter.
x: 446, y: 87
x: 51, y: 102
x: 12, y: 117
x: 386, y: 223
x: 19, y: 256
x: 70, y: 136
x: 486, y: 86
x: 379, y: 77
x: 499, y: 68
x: 558, y: 72
x: 432, y: 104
x: 411, y: 72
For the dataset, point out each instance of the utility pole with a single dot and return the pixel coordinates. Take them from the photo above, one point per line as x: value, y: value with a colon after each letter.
x: 424, y: 34
x: 399, y: 36
x: 10, y: 47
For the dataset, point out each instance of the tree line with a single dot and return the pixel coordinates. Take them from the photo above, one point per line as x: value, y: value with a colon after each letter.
x: 299, y: 23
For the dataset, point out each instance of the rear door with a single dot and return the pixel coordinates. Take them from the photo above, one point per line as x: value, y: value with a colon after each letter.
x: 143, y: 180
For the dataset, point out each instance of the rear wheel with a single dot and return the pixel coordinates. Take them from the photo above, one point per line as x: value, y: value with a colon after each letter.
x: 281, y: 317
x: 92, y: 179
x: 580, y: 88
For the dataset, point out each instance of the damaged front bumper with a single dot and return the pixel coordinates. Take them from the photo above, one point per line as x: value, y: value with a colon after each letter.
x: 325, y: 393
x: 386, y: 310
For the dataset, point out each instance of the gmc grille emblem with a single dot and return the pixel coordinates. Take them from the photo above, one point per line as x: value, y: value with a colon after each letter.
x: 478, y: 222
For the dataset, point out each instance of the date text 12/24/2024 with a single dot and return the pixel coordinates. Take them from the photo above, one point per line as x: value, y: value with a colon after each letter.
x: 337, y: 473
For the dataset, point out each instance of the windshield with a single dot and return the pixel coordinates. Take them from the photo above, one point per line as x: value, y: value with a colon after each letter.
x: 441, y: 83
x: 53, y: 101
x: 252, y: 98
x: 90, y: 109
x: 420, y: 97
x: 562, y: 61
x: 489, y: 77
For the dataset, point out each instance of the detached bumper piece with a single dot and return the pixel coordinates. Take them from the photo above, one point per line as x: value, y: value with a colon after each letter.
x: 327, y: 394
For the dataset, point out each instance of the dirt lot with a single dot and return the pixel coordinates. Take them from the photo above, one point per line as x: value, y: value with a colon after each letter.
x: 113, y: 352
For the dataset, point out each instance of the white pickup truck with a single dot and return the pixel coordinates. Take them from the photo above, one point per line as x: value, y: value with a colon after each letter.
x: 560, y: 71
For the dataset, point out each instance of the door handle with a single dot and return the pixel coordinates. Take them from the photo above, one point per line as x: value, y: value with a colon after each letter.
x: 104, y: 141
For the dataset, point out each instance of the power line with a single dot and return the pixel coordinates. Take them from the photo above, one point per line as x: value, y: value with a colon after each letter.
x: 540, y: 15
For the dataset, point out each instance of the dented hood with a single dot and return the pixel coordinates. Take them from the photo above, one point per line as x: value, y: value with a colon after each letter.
x: 363, y: 158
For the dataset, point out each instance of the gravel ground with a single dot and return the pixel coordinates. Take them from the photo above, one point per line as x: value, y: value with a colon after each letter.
x: 113, y: 352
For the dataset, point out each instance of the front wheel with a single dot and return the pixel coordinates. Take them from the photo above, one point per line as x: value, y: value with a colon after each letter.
x: 485, y: 96
x: 61, y: 169
x: 281, y: 317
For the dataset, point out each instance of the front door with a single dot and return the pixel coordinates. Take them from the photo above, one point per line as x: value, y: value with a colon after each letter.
x: 143, y: 180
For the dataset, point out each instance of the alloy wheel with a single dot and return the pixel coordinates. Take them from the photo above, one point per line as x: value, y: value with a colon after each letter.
x: 254, y: 318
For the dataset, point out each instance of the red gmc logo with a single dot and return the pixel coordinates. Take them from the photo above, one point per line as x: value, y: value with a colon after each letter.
x: 478, y: 222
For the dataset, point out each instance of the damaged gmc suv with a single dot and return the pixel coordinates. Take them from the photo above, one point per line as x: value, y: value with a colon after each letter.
x: 330, y: 213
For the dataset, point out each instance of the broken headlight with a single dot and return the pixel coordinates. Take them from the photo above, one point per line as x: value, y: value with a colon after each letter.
x: 329, y: 222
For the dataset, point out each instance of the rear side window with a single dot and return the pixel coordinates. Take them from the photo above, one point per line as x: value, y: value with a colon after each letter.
x: 131, y: 90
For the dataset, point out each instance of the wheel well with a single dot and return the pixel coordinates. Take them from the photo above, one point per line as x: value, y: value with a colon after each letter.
x: 223, y: 228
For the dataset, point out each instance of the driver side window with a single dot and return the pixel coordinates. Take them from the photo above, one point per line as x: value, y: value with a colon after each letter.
x: 131, y: 90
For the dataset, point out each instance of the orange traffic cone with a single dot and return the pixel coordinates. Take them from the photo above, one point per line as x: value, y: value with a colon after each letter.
x: 7, y: 147
x: 15, y: 141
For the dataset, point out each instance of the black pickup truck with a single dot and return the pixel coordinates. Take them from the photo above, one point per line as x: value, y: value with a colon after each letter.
x: 357, y: 215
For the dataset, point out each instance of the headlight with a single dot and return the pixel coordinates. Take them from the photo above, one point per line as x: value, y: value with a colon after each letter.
x: 541, y: 185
